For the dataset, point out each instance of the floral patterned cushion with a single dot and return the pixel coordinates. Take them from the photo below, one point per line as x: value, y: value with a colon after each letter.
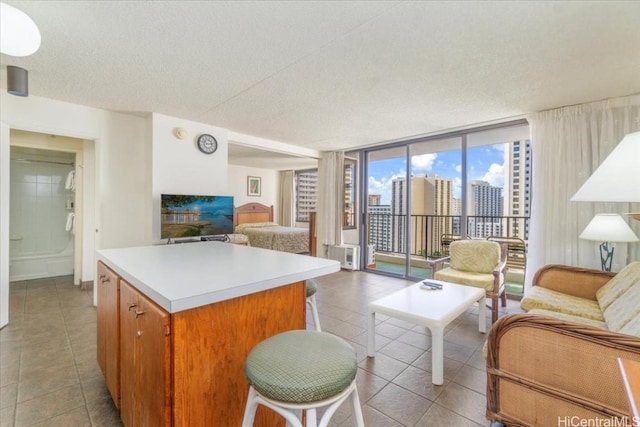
x: 629, y: 276
x: 570, y: 318
x: 546, y: 299
x: 478, y: 256
x: 623, y: 309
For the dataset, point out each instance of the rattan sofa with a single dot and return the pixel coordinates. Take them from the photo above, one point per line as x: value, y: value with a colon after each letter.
x: 552, y: 368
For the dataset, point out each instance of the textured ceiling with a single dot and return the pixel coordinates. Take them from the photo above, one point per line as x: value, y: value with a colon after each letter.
x: 333, y: 75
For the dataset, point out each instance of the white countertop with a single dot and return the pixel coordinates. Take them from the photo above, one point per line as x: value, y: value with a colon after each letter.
x: 183, y: 276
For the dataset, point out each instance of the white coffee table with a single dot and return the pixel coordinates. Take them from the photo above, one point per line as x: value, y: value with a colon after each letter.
x: 434, y: 309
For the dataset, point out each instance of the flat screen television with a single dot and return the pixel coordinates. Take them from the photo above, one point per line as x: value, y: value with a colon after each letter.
x: 193, y: 215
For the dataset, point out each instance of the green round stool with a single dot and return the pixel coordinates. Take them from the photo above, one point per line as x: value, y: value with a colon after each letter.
x: 312, y: 288
x: 302, y: 370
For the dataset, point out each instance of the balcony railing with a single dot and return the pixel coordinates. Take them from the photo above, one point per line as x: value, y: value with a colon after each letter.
x: 430, y: 234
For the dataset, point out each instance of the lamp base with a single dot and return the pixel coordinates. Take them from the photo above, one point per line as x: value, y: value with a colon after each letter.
x: 606, y: 255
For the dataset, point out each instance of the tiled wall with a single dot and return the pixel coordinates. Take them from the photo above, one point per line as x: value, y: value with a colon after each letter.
x: 38, y: 214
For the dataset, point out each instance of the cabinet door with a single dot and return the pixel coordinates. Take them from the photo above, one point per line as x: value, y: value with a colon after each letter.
x: 108, y: 330
x: 145, y: 365
x: 153, y: 367
x: 128, y: 329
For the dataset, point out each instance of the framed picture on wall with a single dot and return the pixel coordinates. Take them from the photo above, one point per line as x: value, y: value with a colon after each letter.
x: 254, y: 185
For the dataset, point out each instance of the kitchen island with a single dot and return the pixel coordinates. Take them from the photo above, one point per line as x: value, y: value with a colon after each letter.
x: 175, y: 323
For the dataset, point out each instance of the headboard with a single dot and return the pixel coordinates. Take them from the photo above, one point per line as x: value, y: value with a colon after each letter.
x: 252, y: 212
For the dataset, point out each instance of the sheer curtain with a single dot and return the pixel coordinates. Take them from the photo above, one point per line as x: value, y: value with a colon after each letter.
x: 286, y: 210
x: 568, y: 144
x: 330, y: 198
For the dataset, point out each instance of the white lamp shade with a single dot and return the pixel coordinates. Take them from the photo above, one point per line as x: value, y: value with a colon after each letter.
x: 617, y: 179
x: 19, y: 35
x: 608, y: 228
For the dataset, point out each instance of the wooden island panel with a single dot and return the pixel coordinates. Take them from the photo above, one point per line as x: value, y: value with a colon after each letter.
x: 209, y: 348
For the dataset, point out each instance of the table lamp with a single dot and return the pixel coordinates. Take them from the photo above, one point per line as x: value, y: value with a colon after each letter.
x: 607, y: 228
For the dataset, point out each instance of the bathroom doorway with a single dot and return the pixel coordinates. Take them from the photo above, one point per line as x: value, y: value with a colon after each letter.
x: 45, y: 206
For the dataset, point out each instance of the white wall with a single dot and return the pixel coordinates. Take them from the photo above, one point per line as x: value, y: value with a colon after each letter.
x: 179, y: 167
x: 4, y: 224
x: 116, y: 211
x: 270, y: 183
x: 134, y: 159
x: 118, y: 217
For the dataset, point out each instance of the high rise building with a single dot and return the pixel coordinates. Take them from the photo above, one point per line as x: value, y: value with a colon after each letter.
x: 431, y: 210
x: 517, y: 186
x: 456, y: 212
x: 484, y: 208
x: 456, y: 207
x: 380, y: 227
x: 349, y: 219
x: 306, y: 185
x: 398, y: 214
x: 374, y: 199
x: 483, y: 199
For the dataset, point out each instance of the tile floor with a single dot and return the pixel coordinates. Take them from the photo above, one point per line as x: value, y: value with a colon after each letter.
x: 49, y: 375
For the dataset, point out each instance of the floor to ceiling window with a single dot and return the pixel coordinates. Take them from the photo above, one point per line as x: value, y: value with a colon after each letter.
x: 421, y: 195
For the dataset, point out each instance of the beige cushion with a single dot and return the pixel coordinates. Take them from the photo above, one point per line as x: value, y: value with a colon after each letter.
x: 629, y: 276
x: 546, y: 299
x: 479, y: 256
x: 632, y: 327
x: 570, y: 318
x: 623, y: 309
x: 477, y: 280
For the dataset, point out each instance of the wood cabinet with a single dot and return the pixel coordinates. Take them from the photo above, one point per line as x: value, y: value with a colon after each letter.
x: 145, y: 360
x: 187, y: 368
x: 108, y: 333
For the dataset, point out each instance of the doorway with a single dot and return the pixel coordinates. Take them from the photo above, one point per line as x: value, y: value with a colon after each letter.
x: 45, y: 198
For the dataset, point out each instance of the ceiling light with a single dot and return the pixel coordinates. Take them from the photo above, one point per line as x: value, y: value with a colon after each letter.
x: 19, y: 35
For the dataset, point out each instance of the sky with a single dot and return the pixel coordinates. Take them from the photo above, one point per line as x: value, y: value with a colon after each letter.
x: 485, y: 163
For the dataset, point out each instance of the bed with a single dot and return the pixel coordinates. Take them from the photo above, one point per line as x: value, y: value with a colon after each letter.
x: 255, y: 220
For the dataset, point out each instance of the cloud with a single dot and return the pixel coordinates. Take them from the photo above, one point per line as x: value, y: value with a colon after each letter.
x: 457, y: 187
x: 423, y: 162
x: 458, y: 168
x: 382, y: 186
x: 495, y: 175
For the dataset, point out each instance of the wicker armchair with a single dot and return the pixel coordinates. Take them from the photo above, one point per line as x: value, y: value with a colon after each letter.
x: 544, y: 371
x: 478, y: 263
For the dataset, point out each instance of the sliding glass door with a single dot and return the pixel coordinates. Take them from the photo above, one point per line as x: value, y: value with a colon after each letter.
x: 434, y: 187
x: 421, y: 195
x: 385, y: 225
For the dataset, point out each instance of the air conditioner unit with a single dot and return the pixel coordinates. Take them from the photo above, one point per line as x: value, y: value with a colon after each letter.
x: 347, y: 255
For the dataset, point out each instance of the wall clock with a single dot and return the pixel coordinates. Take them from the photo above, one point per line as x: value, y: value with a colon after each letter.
x: 207, y: 143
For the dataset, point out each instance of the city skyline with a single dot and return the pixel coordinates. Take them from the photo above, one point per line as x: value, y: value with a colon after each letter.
x: 485, y: 163
x: 498, y: 191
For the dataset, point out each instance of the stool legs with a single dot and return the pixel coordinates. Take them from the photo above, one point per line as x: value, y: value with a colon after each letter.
x: 314, y: 310
x: 291, y: 411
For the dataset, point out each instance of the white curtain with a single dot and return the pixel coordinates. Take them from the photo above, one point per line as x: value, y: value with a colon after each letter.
x: 286, y: 210
x: 330, y: 199
x: 568, y: 144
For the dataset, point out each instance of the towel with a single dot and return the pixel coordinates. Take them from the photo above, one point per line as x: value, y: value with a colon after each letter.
x: 71, y: 219
x: 70, y: 184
